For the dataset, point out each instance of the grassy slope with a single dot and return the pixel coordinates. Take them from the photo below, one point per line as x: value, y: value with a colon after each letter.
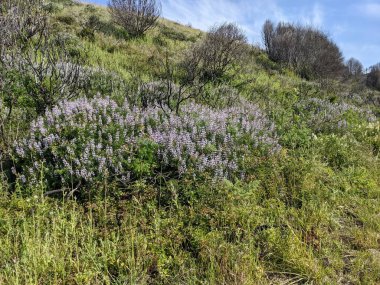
x: 111, y: 51
x: 302, y: 219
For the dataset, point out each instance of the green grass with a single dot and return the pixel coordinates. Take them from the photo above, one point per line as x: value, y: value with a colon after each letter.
x: 115, y: 53
x: 299, y: 221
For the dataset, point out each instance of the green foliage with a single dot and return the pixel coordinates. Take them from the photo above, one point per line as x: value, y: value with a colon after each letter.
x: 66, y: 19
x: 145, y: 160
x: 173, y: 34
x: 309, y: 230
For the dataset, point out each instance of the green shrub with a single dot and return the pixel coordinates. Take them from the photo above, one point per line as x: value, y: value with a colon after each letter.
x: 66, y: 19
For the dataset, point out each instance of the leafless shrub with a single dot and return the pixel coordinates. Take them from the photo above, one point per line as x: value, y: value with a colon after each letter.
x: 203, y: 63
x: 373, y: 77
x: 20, y: 20
x: 37, y: 68
x: 308, y: 51
x: 222, y: 46
x: 172, y: 89
x: 135, y: 16
x: 354, y: 67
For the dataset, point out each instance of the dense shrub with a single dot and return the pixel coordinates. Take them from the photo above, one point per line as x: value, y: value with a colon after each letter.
x: 308, y: 51
x: 66, y: 19
x: 89, y: 140
x: 172, y: 33
x: 89, y: 28
x: 222, y: 47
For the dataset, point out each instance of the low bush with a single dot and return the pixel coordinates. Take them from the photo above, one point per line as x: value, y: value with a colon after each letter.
x: 66, y: 19
x: 325, y: 116
x: 89, y: 140
x: 172, y: 34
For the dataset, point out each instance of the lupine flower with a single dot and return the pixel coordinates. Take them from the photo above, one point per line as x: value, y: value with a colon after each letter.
x: 323, y: 115
x: 85, y: 139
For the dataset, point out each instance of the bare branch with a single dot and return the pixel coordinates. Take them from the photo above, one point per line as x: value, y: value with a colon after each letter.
x: 135, y: 16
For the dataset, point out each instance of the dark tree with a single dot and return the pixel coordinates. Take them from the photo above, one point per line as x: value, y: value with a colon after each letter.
x: 268, y: 35
x: 308, y: 51
x: 135, y: 16
x: 222, y: 46
x: 373, y: 77
x: 354, y: 67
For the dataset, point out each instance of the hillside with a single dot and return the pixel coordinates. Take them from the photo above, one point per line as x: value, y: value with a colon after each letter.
x: 262, y: 177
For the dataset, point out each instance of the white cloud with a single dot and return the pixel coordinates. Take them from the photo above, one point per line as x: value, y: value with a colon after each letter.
x: 248, y: 14
x: 370, y: 9
x: 366, y: 53
x: 318, y: 16
x: 313, y: 16
x: 338, y: 29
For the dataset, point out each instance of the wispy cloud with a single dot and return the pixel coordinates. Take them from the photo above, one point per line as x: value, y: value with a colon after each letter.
x: 338, y: 29
x: 318, y: 15
x: 310, y: 15
x: 370, y: 9
x: 248, y: 14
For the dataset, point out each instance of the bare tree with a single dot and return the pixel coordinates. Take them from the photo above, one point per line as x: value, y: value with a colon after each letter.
x: 51, y: 73
x: 136, y: 16
x: 20, y: 21
x: 42, y: 62
x: 354, y: 67
x: 267, y: 34
x: 373, y: 77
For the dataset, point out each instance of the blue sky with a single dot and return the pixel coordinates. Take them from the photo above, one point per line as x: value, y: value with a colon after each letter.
x: 353, y: 25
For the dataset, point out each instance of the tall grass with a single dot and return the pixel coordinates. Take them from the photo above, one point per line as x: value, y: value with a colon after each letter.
x: 309, y: 230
